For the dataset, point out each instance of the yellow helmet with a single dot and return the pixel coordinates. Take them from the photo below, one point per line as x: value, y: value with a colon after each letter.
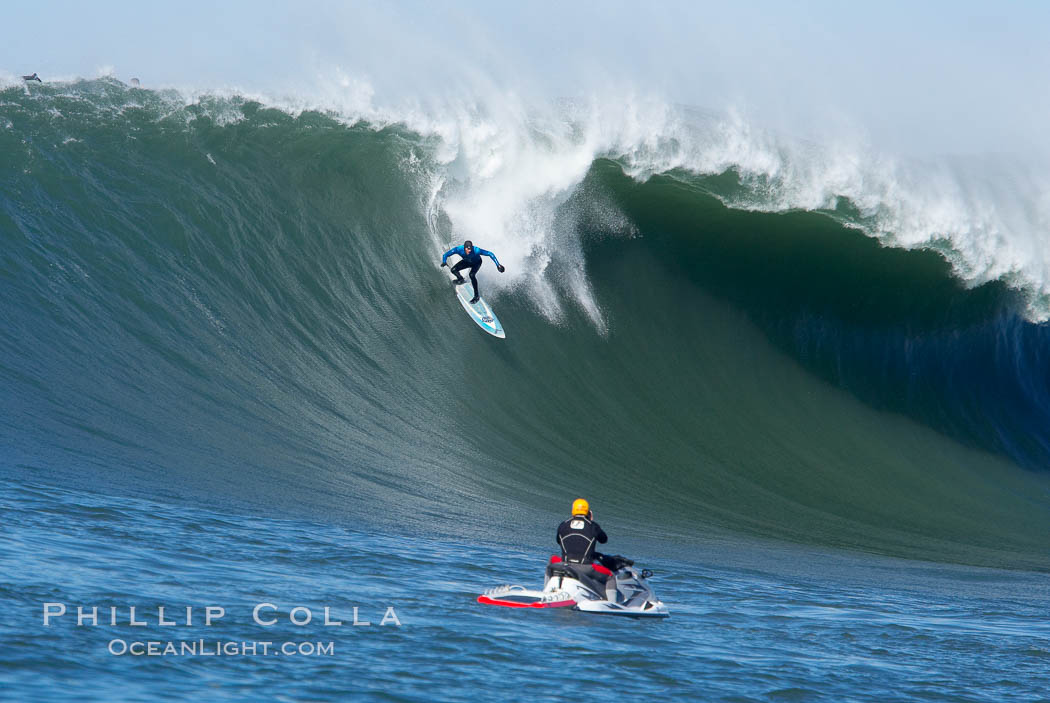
x: 580, y: 507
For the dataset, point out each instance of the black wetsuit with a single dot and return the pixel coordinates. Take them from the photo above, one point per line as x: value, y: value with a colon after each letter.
x: 577, y: 537
x: 473, y: 266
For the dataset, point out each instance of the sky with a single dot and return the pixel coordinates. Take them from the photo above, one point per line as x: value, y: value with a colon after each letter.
x: 951, y: 77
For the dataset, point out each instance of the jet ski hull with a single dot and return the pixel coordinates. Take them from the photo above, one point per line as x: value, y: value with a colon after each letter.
x: 625, y: 592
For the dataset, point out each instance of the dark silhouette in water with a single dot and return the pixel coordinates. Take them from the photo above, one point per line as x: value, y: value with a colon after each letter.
x: 33, y: 77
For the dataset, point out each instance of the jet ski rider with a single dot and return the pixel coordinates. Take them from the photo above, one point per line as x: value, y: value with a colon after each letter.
x: 578, y: 534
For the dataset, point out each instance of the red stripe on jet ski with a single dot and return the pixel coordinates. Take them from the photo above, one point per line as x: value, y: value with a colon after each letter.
x: 515, y: 604
x: 508, y: 603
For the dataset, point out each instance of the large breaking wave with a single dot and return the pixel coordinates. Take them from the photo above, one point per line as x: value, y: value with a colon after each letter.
x: 232, y: 299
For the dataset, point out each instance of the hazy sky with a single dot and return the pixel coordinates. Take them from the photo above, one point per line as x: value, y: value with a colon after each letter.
x: 922, y: 76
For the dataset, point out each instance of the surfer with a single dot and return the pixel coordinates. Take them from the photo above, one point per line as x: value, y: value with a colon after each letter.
x: 470, y: 257
x: 33, y: 77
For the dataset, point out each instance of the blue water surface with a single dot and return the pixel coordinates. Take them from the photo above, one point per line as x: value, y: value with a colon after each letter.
x: 736, y: 633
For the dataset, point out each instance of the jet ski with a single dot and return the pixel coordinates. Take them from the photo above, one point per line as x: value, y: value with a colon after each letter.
x: 610, y: 586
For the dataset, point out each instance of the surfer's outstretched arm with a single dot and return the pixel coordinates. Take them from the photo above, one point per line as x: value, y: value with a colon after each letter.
x: 450, y: 252
x: 493, y: 257
x: 489, y: 254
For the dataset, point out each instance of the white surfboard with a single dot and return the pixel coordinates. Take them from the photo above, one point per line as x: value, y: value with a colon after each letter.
x: 480, y: 311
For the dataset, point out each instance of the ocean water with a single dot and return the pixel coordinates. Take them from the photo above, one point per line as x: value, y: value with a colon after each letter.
x: 800, y: 626
x: 814, y: 400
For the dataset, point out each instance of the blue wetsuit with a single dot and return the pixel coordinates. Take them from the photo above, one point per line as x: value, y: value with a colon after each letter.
x: 474, y: 257
x: 471, y: 261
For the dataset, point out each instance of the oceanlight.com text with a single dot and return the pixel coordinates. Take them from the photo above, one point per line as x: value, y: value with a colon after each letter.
x: 218, y: 648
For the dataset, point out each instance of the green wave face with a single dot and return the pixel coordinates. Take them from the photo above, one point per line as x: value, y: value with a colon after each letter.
x: 228, y: 304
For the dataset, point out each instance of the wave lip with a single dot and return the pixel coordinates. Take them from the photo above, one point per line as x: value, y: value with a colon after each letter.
x: 502, y: 166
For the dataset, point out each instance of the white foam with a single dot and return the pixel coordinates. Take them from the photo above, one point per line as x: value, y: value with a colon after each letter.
x: 9, y: 80
x: 989, y: 216
x: 513, y: 167
x: 498, y: 168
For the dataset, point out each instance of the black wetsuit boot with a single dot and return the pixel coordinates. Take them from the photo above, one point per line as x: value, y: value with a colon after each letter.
x: 457, y: 267
x: 474, y: 282
x: 462, y: 264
